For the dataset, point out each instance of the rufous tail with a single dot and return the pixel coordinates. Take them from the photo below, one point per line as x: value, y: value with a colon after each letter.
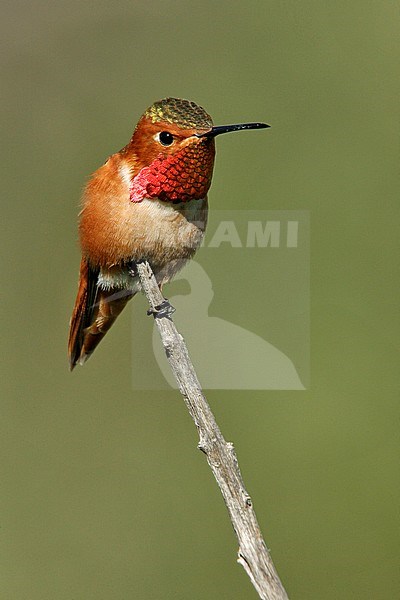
x: 94, y: 312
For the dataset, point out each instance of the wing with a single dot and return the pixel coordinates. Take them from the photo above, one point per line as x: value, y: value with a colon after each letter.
x: 84, y: 309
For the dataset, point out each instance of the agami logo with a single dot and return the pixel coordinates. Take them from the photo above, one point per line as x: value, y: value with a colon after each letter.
x: 244, y: 312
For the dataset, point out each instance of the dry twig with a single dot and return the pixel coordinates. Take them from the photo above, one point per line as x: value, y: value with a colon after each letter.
x: 253, y: 553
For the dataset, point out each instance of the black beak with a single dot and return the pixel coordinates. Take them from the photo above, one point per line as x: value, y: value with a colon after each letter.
x: 227, y: 128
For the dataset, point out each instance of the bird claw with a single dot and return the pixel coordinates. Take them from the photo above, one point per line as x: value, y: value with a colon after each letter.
x: 165, y: 309
x: 132, y: 268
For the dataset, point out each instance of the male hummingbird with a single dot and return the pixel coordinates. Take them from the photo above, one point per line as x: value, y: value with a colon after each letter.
x: 147, y: 202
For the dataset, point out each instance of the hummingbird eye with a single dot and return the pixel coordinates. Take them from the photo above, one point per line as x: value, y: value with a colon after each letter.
x: 165, y: 138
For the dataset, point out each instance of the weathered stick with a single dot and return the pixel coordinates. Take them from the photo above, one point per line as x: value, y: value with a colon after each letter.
x: 253, y: 553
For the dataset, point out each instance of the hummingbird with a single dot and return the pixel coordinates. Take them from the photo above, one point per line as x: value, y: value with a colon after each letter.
x: 147, y: 202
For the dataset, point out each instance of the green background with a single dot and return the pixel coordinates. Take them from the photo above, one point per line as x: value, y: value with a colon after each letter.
x: 104, y: 495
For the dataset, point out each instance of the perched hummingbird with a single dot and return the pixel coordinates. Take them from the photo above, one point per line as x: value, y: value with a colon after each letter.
x: 147, y: 202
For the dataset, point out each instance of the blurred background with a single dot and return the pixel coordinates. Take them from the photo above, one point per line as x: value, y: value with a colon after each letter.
x: 104, y: 495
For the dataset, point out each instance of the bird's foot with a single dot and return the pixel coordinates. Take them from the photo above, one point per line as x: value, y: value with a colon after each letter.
x: 165, y: 309
x: 132, y: 268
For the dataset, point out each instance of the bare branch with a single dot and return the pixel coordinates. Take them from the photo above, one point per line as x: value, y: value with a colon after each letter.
x: 253, y: 554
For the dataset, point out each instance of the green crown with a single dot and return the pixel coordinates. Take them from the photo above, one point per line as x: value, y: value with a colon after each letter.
x: 184, y: 113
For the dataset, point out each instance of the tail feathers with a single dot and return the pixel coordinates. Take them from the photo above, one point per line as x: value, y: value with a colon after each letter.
x: 94, y: 312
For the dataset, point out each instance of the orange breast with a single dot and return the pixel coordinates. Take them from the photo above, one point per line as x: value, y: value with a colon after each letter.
x: 113, y: 229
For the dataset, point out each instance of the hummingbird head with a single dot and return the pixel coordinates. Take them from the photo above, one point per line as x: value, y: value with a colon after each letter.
x: 174, y: 148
